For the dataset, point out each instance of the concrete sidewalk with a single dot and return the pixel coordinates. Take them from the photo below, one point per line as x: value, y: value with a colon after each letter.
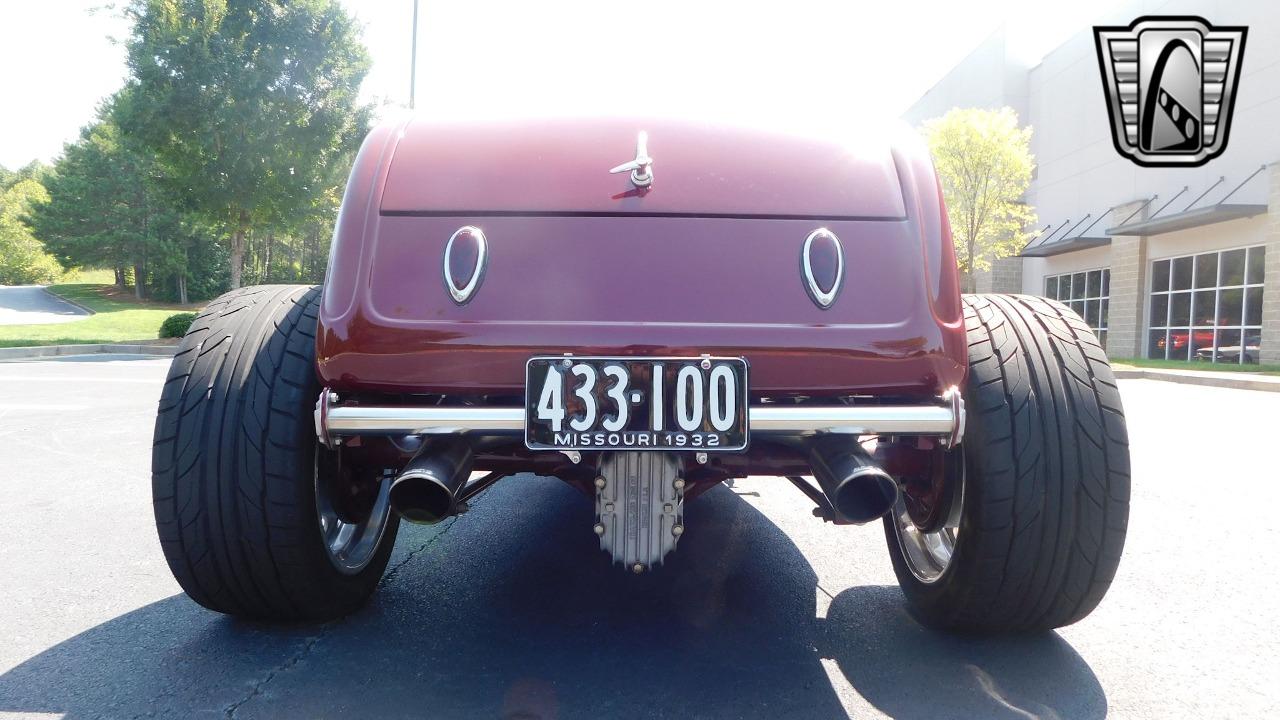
x: 1234, y: 380
x: 48, y: 351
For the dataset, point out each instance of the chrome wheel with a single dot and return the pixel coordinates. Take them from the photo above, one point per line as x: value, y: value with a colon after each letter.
x: 928, y: 554
x: 351, y: 544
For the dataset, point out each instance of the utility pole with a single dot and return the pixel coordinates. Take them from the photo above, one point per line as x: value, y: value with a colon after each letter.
x: 413, y: 56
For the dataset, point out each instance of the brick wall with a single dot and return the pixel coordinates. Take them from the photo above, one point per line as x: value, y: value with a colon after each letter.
x: 1128, y: 283
x: 1005, y: 276
x: 982, y: 280
x: 1271, y: 280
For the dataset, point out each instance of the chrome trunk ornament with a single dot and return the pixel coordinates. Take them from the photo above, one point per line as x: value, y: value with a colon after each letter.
x: 641, y: 173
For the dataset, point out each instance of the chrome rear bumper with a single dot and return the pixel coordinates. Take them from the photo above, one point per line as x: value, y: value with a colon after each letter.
x: 944, y: 420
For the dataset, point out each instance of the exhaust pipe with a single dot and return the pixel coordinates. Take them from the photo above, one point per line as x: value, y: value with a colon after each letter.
x: 856, y: 487
x: 426, y: 490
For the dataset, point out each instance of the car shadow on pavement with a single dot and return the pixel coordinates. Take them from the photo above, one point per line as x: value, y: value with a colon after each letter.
x: 909, y: 671
x: 513, y: 611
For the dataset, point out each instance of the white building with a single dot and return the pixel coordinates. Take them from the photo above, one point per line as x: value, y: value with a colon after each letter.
x: 1163, y: 262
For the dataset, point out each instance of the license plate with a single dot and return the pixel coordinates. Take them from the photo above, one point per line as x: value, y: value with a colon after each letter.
x: 601, y: 403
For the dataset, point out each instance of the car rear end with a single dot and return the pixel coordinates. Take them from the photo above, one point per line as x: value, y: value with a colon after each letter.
x: 642, y: 309
x: 707, y: 260
x: 743, y: 302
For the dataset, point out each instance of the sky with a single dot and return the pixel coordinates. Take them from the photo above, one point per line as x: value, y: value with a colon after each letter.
x: 833, y: 61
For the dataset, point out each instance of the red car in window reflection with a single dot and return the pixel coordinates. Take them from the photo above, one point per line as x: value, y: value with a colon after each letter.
x: 1177, y: 339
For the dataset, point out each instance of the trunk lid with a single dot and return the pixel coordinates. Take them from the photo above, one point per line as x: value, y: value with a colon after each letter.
x: 561, y: 167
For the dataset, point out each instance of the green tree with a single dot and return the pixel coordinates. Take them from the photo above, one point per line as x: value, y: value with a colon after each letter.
x: 107, y: 208
x: 23, y: 258
x: 247, y: 105
x: 34, y: 170
x: 189, y: 264
x: 984, y: 162
x: 208, y: 273
x: 102, y: 209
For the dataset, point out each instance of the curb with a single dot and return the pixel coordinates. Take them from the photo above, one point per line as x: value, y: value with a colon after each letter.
x: 69, y: 301
x: 46, y: 351
x: 1242, y: 383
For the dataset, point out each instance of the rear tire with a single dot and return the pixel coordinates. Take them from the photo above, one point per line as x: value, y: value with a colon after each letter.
x: 1045, y: 497
x: 234, y: 465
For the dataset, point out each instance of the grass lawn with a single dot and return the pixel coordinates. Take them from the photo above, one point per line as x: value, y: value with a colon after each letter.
x: 119, y: 318
x: 1192, y: 365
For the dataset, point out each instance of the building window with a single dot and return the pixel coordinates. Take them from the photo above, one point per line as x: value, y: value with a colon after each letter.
x: 1207, y: 307
x: 1088, y: 293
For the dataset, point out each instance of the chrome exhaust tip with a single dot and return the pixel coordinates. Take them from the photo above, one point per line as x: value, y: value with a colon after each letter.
x: 426, y: 490
x: 859, y: 490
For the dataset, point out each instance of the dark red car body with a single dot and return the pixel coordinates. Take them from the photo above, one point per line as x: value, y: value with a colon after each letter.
x: 704, y: 261
x: 644, y: 309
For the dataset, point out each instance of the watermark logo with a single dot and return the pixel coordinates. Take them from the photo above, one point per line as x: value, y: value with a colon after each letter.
x: 1170, y: 84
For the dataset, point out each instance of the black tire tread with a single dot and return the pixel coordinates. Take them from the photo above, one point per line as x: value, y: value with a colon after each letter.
x: 232, y: 462
x: 1047, y: 499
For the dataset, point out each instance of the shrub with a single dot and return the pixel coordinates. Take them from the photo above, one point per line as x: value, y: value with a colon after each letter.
x: 175, y: 326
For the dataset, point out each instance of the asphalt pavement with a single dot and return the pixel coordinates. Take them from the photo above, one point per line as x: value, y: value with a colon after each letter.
x: 513, y: 611
x: 32, y: 304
